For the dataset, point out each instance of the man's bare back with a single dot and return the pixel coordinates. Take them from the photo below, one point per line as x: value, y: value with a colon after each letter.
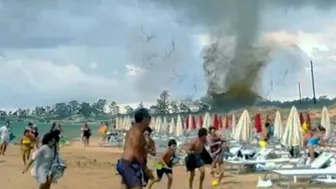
x: 197, y: 146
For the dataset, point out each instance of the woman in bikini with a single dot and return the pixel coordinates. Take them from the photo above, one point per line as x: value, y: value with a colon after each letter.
x: 314, y: 141
x: 86, y: 133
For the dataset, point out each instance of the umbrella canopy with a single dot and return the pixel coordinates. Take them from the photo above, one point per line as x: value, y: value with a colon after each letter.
x: 117, y: 126
x: 325, y: 121
x: 207, y: 122
x: 128, y: 123
x: 153, y: 123
x: 233, y: 123
x: 308, y: 119
x: 225, y: 122
x: 121, y: 122
x: 301, y: 118
x: 164, y: 125
x: 191, y: 123
x: 221, y: 122
x: 172, y: 126
x: 201, y: 121
x: 257, y: 123
x: 124, y: 123
x: 278, y: 126
x: 194, y: 126
x: 216, y: 121
x: 158, y: 124
x: 292, y: 135
x: 179, y: 126
x: 243, y: 132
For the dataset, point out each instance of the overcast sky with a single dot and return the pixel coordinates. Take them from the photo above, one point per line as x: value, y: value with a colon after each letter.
x: 128, y: 51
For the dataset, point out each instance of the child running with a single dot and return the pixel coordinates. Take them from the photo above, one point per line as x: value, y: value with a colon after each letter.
x: 26, y: 146
x: 165, y: 165
x: 5, y: 133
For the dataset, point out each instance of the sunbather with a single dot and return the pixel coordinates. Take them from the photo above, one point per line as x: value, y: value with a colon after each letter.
x: 316, y: 140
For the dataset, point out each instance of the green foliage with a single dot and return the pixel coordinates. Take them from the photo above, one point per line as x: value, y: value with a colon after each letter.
x: 164, y: 105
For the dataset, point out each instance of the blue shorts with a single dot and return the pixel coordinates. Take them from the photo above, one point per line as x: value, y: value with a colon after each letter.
x: 131, y: 173
x: 193, y: 161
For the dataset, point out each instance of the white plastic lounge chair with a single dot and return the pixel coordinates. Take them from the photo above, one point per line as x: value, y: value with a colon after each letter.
x: 321, y: 160
x: 325, y: 181
x: 233, y: 153
x: 293, y: 173
x: 242, y: 163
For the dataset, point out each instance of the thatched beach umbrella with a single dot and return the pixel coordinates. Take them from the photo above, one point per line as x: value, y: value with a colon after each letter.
x: 243, y: 132
x: 292, y: 136
x: 278, y: 126
x: 325, y: 121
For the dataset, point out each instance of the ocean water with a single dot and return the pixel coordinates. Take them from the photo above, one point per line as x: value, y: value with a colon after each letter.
x: 69, y: 130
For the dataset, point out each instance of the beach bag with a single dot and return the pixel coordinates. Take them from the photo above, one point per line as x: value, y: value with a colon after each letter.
x: 58, y: 168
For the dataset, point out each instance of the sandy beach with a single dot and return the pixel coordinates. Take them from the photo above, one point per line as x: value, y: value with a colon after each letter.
x: 94, y: 167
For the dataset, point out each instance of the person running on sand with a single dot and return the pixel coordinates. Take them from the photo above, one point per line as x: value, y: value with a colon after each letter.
x: 151, y: 149
x: 35, y: 133
x: 194, y: 159
x: 86, y: 134
x: 26, y: 146
x: 133, y: 163
x: 103, y: 131
x: 56, y: 129
x: 215, y: 142
x: 43, y: 161
x: 5, y: 133
x: 165, y: 165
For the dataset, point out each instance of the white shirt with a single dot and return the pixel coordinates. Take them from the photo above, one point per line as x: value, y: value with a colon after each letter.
x: 4, y: 132
x: 44, y: 157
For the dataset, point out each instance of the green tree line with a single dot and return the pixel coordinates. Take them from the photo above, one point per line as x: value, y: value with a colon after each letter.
x: 164, y: 105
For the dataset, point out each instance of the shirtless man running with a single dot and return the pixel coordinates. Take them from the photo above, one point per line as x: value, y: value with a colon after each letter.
x: 133, y: 162
x: 195, y: 149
